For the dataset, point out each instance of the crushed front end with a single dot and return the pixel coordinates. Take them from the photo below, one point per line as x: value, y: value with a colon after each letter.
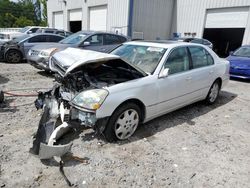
x: 82, y: 81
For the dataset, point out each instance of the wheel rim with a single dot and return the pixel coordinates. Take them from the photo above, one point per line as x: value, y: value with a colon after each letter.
x: 126, y: 124
x: 214, y: 92
x: 13, y: 57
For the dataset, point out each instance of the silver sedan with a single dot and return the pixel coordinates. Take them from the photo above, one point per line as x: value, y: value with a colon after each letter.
x: 137, y: 82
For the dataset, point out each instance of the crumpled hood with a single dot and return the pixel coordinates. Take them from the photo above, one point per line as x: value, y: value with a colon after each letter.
x: 239, y: 61
x: 72, y: 58
x: 48, y: 45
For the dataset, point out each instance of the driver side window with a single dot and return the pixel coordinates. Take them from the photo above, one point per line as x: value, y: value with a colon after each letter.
x: 177, y: 61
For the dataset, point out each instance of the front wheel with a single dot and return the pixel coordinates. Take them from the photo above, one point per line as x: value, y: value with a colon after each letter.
x: 213, y: 93
x: 123, y: 122
x: 13, y: 56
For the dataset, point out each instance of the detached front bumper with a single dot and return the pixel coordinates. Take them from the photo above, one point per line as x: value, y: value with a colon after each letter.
x: 54, y: 110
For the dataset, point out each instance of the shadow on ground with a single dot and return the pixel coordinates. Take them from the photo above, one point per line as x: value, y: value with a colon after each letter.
x: 46, y: 74
x: 240, y: 80
x: 178, y: 117
x: 3, y: 80
x: 6, y: 106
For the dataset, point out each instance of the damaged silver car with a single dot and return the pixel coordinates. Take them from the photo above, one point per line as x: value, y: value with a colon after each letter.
x: 114, y: 93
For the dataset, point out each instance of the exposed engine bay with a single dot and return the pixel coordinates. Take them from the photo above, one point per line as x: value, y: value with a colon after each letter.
x: 98, y: 75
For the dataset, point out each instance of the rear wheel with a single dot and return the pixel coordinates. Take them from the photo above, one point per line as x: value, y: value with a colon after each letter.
x: 213, y: 93
x: 123, y: 123
x: 13, y: 56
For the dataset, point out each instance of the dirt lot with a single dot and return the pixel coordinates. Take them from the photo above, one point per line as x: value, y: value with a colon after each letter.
x: 197, y: 146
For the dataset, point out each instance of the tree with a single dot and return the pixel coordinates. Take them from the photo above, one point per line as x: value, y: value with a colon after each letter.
x: 22, y: 22
x: 23, y: 13
x: 44, y: 12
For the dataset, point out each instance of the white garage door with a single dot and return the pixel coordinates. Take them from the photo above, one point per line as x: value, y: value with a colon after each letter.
x: 58, y: 20
x: 98, y: 18
x: 227, y: 18
x: 75, y: 15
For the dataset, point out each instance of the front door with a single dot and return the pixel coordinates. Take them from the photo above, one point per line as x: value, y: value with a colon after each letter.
x: 175, y: 89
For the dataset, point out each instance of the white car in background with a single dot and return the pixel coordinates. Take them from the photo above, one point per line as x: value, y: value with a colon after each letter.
x: 10, y: 35
x: 137, y: 82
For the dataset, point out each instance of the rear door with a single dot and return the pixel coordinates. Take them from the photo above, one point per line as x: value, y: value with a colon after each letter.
x: 203, y: 69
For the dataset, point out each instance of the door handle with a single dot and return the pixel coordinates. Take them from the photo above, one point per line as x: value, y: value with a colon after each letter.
x: 211, y: 72
x: 188, y: 78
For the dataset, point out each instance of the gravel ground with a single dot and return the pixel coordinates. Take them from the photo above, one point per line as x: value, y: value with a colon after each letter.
x: 196, y: 146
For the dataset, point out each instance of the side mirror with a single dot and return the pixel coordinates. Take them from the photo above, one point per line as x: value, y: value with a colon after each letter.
x: 231, y: 53
x: 86, y: 43
x: 164, y: 73
x: 29, y: 32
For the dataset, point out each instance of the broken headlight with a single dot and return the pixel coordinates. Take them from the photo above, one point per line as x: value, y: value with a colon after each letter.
x: 91, y: 99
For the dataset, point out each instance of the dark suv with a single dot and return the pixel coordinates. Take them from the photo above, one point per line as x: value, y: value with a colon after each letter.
x: 105, y: 42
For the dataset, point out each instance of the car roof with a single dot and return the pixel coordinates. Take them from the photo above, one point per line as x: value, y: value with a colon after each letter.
x: 162, y: 43
x: 52, y: 34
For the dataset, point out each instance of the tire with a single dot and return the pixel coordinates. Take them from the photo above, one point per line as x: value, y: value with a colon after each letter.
x: 119, y: 128
x: 213, y: 93
x: 13, y: 56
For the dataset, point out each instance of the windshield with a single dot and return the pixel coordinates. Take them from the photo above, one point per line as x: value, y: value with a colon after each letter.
x: 19, y: 39
x: 243, y: 52
x: 23, y: 30
x: 76, y: 38
x: 145, y: 58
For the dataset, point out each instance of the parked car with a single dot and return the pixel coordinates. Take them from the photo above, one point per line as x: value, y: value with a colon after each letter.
x: 240, y: 63
x: 137, y: 82
x: 30, y: 29
x: 196, y: 40
x: 54, y: 31
x: 39, y: 55
x: 7, y: 36
x: 15, y: 50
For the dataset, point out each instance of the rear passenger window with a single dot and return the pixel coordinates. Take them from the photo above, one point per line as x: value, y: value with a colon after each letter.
x: 39, y: 38
x: 54, y: 38
x: 200, y: 57
x: 111, y: 39
x: 178, y: 61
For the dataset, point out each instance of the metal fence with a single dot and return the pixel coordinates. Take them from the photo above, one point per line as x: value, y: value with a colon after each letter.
x: 9, y: 29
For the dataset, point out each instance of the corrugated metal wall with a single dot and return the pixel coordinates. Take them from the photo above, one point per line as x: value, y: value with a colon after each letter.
x: 153, y: 18
x: 190, y: 15
x: 117, y: 14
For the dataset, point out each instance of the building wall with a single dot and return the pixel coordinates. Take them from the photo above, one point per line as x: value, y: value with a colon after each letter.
x: 117, y: 14
x: 190, y: 15
x: 153, y: 18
